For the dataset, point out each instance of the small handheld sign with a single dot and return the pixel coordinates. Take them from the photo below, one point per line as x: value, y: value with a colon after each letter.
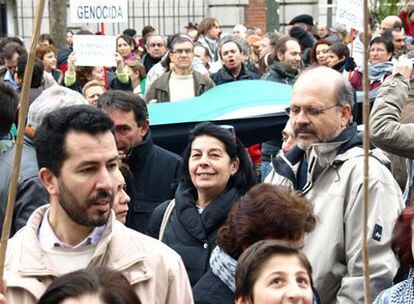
x: 94, y: 50
x: 351, y: 13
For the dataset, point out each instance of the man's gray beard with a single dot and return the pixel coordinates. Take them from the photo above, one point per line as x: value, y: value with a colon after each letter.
x: 302, y: 146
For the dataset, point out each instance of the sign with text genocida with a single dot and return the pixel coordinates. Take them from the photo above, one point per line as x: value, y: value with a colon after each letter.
x: 108, y: 11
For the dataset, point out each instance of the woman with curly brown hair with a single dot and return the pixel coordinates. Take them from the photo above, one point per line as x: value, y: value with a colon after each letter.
x: 319, y: 51
x: 265, y: 212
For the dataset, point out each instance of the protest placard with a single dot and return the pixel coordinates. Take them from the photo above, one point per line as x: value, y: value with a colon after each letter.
x: 85, y: 11
x: 351, y: 13
x: 94, y: 50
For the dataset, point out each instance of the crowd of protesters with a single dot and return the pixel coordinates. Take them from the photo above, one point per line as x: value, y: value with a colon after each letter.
x: 104, y: 215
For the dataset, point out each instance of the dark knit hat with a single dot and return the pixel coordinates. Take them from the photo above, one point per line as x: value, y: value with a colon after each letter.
x: 304, y: 18
x: 302, y: 37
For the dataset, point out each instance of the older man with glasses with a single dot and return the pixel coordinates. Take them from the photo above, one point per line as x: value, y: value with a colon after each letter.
x: 181, y: 82
x: 325, y: 167
x: 155, y: 50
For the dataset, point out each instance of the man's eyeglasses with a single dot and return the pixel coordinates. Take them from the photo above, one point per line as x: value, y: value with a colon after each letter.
x: 378, y: 50
x: 294, y: 111
x: 156, y: 45
x: 182, y: 51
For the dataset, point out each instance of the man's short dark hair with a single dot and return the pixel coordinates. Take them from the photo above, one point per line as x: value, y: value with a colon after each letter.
x: 180, y: 39
x: 46, y: 37
x: 50, y: 136
x: 124, y: 101
x: 387, y: 34
x: 281, y: 46
x: 273, y: 38
x: 206, y: 51
x: 11, y: 48
x: 147, y: 30
x: 4, y: 42
x: 228, y: 40
x: 37, y: 75
x: 150, y: 36
x: 8, y: 108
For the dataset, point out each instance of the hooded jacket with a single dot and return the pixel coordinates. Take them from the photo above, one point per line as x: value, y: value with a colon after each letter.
x: 155, y: 271
x: 334, y: 187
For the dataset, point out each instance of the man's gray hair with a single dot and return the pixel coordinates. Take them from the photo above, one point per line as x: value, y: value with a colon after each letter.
x: 51, y: 99
x: 149, y: 38
x: 344, y: 93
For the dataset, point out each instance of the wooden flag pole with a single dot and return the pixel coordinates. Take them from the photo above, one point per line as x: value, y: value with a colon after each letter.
x: 365, y: 113
x: 27, y: 79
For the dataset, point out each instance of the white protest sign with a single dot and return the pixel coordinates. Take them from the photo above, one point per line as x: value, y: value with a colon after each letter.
x: 94, y: 50
x: 351, y: 13
x: 85, y: 11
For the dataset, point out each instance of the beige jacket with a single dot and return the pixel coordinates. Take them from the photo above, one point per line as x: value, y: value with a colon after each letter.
x: 334, y: 247
x: 156, y: 271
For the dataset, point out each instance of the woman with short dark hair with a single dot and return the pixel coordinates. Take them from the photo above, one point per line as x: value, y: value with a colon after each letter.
x: 336, y: 56
x: 379, y: 64
x: 215, y: 172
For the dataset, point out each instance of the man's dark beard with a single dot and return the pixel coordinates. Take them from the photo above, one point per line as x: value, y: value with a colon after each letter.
x: 77, y: 211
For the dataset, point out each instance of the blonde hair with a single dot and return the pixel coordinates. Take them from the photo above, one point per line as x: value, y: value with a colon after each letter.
x: 136, y: 67
x: 90, y: 84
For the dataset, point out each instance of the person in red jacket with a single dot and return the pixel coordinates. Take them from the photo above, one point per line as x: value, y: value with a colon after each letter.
x: 407, y: 18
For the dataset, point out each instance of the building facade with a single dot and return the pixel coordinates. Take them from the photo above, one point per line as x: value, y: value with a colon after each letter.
x: 170, y: 16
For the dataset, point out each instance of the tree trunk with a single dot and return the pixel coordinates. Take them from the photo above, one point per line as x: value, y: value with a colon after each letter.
x: 57, y: 21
